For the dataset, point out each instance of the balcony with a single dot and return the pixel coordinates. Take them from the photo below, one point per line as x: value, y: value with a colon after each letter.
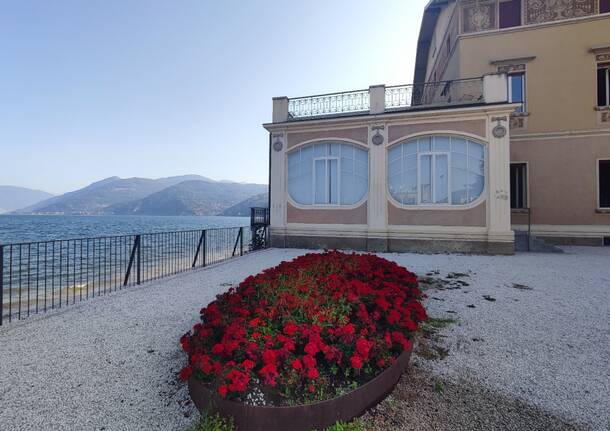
x: 380, y: 99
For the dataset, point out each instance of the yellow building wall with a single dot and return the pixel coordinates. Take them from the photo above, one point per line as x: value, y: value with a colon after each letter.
x: 560, y: 82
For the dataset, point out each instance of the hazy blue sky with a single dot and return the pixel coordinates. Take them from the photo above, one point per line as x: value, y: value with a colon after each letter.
x: 152, y: 88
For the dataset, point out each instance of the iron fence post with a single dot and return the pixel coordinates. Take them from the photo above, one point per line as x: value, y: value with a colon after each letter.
x: 241, y: 241
x: 204, y: 245
x: 139, y: 267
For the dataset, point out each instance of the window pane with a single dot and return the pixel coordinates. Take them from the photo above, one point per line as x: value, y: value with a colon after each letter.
x: 410, y: 162
x: 424, y: 144
x: 335, y: 149
x: 410, y: 148
x: 475, y: 186
x: 347, y: 151
x: 395, y: 168
x: 320, y: 150
x: 394, y: 184
x: 476, y: 150
x: 516, y: 88
x: 459, y: 186
x: 604, y: 6
x: 333, y: 181
x: 459, y: 145
x: 441, y: 179
x: 441, y: 143
x: 409, y: 187
x: 510, y: 13
x: 320, y: 182
x: 395, y: 152
x: 604, y: 183
x: 425, y: 178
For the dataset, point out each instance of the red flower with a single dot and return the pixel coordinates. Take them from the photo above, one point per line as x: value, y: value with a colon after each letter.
x: 247, y: 364
x: 185, y: 373
x: 356, y: 362
x: 363, y: 347
x: 290, y: 329
x: 297, y: 365
x: 311, y: 348
x: 223, y: 390
x: 312, y: 373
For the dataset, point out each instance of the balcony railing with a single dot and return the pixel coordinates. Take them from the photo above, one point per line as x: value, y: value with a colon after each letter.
x: 457, y: 92
x: 329, y: 104
x: 395, y: 98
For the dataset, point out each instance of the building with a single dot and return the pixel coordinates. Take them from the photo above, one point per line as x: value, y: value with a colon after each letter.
x: 490, y: 128
x: 557, y: 57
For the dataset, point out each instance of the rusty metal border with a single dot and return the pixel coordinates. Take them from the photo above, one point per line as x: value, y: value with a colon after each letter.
x: 308, y: 417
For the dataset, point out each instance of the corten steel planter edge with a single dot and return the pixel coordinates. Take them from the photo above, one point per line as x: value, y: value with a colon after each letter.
x: 315, y: 416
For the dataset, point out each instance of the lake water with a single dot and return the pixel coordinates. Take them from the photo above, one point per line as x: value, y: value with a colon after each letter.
x: 23, y: 228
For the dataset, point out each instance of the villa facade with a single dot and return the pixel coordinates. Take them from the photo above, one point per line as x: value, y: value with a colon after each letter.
x: 500, y: 121
x: 556, y: 54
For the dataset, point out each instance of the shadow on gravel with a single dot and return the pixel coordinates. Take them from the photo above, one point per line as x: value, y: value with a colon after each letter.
x: 422, y: 402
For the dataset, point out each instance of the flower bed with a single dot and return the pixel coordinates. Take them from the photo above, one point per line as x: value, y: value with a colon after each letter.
x: 305, y: 331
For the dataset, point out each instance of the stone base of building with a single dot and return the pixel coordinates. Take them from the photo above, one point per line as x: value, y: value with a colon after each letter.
x: 399, y: 245
x: 574, y: 240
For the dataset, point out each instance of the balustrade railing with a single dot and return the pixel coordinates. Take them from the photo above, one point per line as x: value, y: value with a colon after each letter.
x: 457, y: 92
x: 329, y: 104
x: 398, y: 97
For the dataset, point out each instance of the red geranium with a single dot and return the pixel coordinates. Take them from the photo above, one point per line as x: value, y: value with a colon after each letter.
x: 318, y: 319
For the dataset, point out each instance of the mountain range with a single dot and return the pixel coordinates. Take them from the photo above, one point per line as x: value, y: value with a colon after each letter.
x: 178, y: 195
x: 13, y: 198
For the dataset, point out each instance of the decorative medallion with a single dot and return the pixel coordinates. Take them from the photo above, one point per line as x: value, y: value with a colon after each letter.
x: 377, y: 138
x: 278, y: 144
x: 499, y: 131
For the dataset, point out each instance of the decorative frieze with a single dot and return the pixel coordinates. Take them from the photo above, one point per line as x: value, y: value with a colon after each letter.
x: 539, y: 11
x: 478, y: 16
x: 517, y: 122
x: 602, y: 58
x: 511, y: 68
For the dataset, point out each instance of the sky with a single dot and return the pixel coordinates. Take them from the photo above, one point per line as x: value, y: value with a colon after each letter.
x: 152, y: 88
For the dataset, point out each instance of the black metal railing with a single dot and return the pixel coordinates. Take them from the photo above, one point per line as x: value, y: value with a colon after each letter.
x: 259, y: 216
x: 40, y: 276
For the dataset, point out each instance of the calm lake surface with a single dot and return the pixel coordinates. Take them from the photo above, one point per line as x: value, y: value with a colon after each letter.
x: 23, y: 228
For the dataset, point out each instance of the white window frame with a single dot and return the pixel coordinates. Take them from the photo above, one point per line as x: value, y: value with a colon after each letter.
x: 326, y: 182
x: 433, y: 155
x: 607, y: 68
x: 450, y: 205
x: 523, y: 92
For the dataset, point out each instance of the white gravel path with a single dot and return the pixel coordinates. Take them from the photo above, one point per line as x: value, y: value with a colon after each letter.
x: 111, y: 363
x: 548, y: 346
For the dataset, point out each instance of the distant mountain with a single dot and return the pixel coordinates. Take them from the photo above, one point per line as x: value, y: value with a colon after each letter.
x: 97, y: 197
x: 242, y: 209
x: 190, y: 198
x: 12, y: 197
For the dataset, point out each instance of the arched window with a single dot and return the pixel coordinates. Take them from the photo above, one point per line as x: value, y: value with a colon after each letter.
x: 328, y: 173
x: 436, y: 170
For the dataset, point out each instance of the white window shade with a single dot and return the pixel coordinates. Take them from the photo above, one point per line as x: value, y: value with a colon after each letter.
x: 328, y: 173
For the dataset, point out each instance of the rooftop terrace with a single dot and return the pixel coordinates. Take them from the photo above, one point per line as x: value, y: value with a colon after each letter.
x: 379, y: 99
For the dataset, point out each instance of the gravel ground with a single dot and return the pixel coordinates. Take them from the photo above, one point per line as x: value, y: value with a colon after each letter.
x: 531, y: 356
x: 530, y: 327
